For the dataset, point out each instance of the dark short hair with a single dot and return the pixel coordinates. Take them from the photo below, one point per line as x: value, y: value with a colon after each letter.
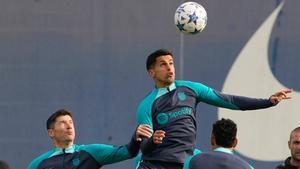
x: 3, y: 165
x: 51, y: 120
x: 152, y: 57
x: 224, y: 131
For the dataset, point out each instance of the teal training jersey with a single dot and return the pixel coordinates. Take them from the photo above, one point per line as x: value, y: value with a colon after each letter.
x: 173, y: 109
x: 220, y: 158
x: 91, y: 156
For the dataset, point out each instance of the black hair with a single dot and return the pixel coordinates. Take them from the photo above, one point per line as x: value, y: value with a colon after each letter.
x: 51, y: 120
x: 224, y: 131
x: 3, y: 165
x: 152, y: 57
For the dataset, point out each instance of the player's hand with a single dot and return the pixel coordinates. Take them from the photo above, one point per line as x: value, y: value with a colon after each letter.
x: 281, y: 95
x: 158, y: 136
x: 143, y: 130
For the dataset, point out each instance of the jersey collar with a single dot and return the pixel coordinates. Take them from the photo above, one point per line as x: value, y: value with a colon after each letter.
x: 59, y: 151
x: 164, y: 90
x: 224, y: 150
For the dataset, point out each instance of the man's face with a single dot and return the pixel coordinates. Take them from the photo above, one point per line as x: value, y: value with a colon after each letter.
x: 163, y: 72
x: 62, y: 131
x: 294, y: 145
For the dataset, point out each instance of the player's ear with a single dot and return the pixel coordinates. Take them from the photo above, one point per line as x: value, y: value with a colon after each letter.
x: 151, y: 72
x: 50, y: 133
x: 213, y: 141
x: 235, y: 142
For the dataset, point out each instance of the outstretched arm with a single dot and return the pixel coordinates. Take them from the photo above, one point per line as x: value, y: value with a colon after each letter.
x: 281, y: 95
x: 216, y: 98
x: 107, y: 154
x: 246, y: 103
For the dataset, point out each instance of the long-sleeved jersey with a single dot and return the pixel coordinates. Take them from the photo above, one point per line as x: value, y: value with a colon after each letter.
x: 91, y: 156
x: 220, y: 158
x: 173, y: 110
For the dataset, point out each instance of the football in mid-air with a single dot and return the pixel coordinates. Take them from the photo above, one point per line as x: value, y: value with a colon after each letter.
x: 190, y: 18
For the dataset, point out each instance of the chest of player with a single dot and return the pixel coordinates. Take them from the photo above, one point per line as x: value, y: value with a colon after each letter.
x: 175, y: 105
x: 76, y: 160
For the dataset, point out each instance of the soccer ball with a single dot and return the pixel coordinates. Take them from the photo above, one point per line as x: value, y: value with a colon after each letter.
x: 190, y: 18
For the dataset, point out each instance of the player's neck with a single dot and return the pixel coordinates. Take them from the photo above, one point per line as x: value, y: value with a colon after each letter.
x: 218, y: 147
x: 162, y: 85
x: 63, y: 145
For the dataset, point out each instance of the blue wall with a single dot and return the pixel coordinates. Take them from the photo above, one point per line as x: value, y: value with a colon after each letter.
x: 89, y: 56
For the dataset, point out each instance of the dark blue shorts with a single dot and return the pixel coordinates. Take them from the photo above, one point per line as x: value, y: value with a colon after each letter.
x: 145, y: 164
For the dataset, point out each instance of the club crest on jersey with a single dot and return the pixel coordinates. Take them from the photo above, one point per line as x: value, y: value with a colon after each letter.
x: 162, y: 118
x: 76, y: 162
x: 181, y: 96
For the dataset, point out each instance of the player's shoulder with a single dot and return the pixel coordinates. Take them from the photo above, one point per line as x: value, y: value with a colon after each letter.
x: 35, y: 162
x: 150, y: 97
x: 195, y: 86
x: 187, y: 83
x: 219, y: 157
x: 92, y: 148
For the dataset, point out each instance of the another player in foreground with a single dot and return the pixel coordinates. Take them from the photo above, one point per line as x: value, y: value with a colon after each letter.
x: 66, y: 154
x: 223, y: 142
x: 171, y: 107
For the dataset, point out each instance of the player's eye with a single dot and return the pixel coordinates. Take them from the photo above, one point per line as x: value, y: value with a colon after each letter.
x: 163, y: 64
x: 297, y: 142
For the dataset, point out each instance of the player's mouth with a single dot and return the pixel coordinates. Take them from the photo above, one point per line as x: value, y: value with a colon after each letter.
x: 69, y: 133
x: 170, y: 74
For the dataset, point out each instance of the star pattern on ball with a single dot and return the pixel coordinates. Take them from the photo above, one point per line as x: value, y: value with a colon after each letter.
x: 193, y: 18
x: 179, y: 10
x: 190, y: 18
x: 180, y: 26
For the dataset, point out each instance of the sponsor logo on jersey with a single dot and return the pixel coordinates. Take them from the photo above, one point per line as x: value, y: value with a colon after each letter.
x: 163, y: 118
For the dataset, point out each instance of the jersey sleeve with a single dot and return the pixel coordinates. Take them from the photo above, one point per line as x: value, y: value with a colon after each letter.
x: 33, y: 165
x: 137, y: 161
x: 144, y: 111
x: 36, y: 162
x: 188, y: 160
x: 144, y: 116
x: 216, y: 98
x: 107, y: 154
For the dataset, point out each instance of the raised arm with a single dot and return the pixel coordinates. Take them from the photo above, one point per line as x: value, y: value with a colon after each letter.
x: 281, y: 95
x: 219, y: 99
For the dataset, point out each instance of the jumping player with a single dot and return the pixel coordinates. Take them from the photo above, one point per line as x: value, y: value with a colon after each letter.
x: 171, y: 107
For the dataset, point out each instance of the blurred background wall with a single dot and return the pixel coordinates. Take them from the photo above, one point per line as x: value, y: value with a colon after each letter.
x: 89, y: 57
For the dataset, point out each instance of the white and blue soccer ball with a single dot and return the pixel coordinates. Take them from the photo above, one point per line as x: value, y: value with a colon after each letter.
x: 190, y: 18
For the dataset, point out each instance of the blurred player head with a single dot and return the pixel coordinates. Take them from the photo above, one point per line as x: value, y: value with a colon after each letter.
x: 294, y: 145
x: 3, y: 165
x: 224, y: 134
